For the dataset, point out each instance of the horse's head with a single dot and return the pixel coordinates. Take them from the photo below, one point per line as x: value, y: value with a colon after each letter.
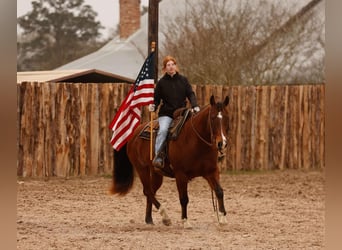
x: 219, y: 122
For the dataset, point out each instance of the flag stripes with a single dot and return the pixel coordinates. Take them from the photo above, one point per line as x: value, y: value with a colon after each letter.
x: 129, y: 114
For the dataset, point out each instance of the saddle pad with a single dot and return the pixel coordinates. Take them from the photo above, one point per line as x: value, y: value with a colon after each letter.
x: 174, y: 129
x: 145, y: 132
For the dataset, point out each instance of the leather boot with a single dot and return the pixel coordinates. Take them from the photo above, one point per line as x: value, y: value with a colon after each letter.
x: 157, y: 162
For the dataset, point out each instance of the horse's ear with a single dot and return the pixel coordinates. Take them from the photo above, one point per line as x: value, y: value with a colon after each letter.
x: 226, y: 101
x: 212, y: 100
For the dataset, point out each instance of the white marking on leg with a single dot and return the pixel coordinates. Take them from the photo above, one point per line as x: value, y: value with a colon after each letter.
x: 222, y: 218
x: 186, y: 224
x: 165, y: 218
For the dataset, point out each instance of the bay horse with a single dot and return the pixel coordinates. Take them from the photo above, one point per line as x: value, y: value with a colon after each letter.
x: 193, y: 154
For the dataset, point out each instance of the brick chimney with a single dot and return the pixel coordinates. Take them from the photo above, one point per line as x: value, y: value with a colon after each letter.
x: 129, y: 17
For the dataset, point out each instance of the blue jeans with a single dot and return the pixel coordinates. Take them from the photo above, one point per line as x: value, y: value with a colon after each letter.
x: 164, y: 124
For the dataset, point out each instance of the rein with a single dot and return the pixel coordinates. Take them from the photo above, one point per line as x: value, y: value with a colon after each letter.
x: 213, y: 197
x: 199, y: 136
x: 214, y: 200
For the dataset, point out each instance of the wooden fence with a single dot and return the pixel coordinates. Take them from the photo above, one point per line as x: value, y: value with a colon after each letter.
x: 63, y: 127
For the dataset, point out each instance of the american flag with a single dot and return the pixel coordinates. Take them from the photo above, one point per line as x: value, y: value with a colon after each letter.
x: 128, y: 116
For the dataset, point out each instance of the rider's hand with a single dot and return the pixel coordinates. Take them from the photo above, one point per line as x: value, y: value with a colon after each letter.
x: 196, y: 109
x: 151, y: 107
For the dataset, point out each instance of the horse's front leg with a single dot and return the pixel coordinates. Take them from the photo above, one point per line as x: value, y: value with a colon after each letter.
x: 215, y: 185
x: 182, y: 186
x: 222, y: 211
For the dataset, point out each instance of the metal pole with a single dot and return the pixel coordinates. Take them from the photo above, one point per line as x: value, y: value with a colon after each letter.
x: 153, y: 47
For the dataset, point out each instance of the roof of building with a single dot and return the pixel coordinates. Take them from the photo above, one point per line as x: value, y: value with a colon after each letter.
x: 74, y: 76
x: 121, y: 57
x: 125, y: 57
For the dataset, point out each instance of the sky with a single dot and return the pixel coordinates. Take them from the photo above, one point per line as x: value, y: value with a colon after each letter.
x: 107, y: 10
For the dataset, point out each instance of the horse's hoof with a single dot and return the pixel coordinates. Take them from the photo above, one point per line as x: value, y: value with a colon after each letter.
x: 186, y: 224
x: 166, y: 222
x: 222, y: 219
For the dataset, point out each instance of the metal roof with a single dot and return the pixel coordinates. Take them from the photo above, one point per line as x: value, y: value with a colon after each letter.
x: 125, y: 57
x: 80, y: 76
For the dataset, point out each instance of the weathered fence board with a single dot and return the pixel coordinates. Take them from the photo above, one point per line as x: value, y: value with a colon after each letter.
x: 63, y: 127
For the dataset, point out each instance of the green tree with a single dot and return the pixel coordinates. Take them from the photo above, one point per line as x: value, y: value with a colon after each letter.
x: 56, y: 32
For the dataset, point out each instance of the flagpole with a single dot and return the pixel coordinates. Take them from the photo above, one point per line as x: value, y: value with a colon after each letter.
x: 151, y: 137
x: 153, y: 46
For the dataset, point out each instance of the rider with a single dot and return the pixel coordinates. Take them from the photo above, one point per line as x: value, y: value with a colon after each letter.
x: 171, y: 93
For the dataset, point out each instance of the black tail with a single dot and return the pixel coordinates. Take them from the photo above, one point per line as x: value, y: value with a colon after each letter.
x: 123, y: 174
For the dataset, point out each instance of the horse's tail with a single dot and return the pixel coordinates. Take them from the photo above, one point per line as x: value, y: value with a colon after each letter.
x: 123, y: 174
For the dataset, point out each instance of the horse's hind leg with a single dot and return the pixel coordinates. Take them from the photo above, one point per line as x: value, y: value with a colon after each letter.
x: 182, y: 186
x: 150, y: 185
x: 148, y: 213
x: 156, y: 184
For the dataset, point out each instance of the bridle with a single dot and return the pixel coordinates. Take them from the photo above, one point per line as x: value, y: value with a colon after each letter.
x: 209, y: 143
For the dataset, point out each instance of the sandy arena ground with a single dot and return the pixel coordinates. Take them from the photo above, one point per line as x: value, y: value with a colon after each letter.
x: 270, y: 210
